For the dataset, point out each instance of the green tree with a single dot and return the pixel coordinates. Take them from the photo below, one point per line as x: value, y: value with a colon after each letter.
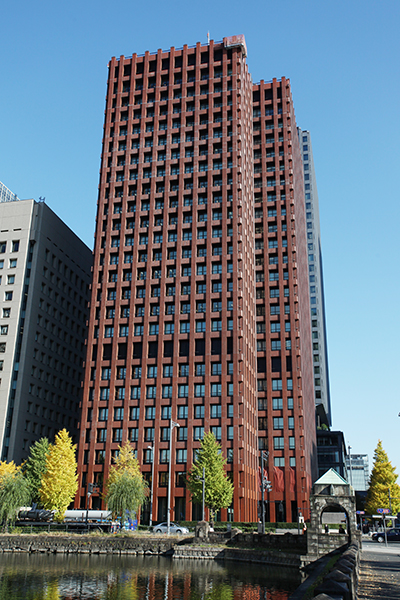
x: 218, y: 488
x: 35, y: 467
x: 126, y: 490
x: 60, y: 480
x: 383, y: 478
x: 14, y: 493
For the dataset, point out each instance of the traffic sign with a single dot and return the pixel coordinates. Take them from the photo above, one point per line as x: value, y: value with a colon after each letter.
x: 360, y: 512
x: 383, y: 511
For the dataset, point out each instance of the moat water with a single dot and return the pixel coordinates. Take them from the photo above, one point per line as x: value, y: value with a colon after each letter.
x: 82, y: 577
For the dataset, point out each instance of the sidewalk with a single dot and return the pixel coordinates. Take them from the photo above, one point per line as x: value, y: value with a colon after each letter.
x: 379, y: 571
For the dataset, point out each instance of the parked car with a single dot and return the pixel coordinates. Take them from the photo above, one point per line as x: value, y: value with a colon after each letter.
x: 174, y: 528
x: 393, y: 535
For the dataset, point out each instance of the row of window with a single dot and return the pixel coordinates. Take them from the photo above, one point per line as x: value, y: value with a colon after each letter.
x: 216, y: 232
x: 169, y: 328
x: 185, y: 290
x: 150, y: 412
x: 185, y: 307
x: 14, y: 247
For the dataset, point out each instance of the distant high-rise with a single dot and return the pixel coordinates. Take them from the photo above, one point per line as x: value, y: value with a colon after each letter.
x: 357, y: 466
x: 44, y: 287
x: 200, y: 307
x: 317, y: 300
x: 7, y: 195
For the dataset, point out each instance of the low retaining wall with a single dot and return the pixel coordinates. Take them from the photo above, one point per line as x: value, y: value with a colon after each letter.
x: 87, y: 544
x: 281, y: 559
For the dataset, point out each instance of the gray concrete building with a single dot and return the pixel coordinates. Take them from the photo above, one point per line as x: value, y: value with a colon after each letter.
x: 316, y: 282
x: 45, y: 272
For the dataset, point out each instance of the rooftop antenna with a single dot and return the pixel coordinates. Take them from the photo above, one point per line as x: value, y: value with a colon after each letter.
x: 208, y: 37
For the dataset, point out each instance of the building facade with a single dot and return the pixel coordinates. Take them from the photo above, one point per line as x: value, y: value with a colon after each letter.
x: 317, y: 300
x: 200, y: 303
x: 44, y: 287
x: 332, y: 452
x: 7, y: 195
x: 357, y: 466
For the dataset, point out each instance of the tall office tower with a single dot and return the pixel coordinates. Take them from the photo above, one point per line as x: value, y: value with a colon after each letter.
x: 7, y: 195
x: 44, y: 290
x: 357, y: 466
x: 317, y: 300
x: 178, y: 288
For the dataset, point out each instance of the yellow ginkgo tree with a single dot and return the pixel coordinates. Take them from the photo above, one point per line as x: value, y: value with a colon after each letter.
x: 60, y: 480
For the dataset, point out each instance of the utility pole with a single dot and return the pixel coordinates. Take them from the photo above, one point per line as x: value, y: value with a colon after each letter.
x: 152, y: 448
x: 264, y: 485
x: 350, y: 469
x: 172, y: 425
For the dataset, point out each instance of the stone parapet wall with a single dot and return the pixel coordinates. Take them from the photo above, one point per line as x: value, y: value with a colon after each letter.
x: 87, y: 544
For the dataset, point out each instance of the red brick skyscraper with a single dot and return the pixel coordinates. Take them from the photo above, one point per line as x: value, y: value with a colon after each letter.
x: 200, y: 308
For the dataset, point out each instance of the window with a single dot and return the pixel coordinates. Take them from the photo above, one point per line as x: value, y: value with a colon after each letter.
x: 105, y: 373
x: 183, y: 370
x: 124, y: 331
x: 135, y: 392
x: 3, y: 247
x: 138, y: 330
x: 201, y: 288
x: 215, y: 411
x: 15, y: 246
x: 169, y: 328
x: 184, y: 327
x: 216, y: 287
x: 3, y: 329
x: 216, y: 368
x: 215, y: 389
x: 166, y: 391
x: 291, y: 422
x: 279, y: 461
x: 278, y: 422
x: 277, y: 403
x: 167, y: 370
x: 6, y: 313
x: 216, y: 325
x: 150, y: 413
x: 277, y: 384
x: 183, y: 390
x: 103, y: 414
x: 164, y: 456
x: 199, y: 389
x: 216, y: 431
x: 201, y: 270
x: 8, y: 296
x: 198, y: 433
x: 166, y: 412
x: 182, y: 412
x: 118, y: 414
x: 13, y: 263
x: 153, y: 329
x: 181, y: 455
x: 200, y: 369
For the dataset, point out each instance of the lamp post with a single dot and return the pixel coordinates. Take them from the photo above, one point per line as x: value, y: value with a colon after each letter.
x: 152, y: 448
x: 350, y: 469
x: 264, y: 483
x: 172, y: 425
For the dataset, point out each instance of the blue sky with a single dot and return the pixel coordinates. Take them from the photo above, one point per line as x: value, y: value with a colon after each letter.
x: 342, y: 59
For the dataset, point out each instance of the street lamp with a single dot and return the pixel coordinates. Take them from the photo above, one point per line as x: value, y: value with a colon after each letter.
x: 265, y: 485
x: 152, y: 448
x: 350, y: 469
x: 172, y: 425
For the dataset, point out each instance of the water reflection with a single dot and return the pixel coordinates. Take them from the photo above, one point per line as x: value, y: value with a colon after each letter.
x: 81, y: 577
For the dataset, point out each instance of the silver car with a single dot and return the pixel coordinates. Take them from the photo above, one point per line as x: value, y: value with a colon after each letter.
x: 173, y: 528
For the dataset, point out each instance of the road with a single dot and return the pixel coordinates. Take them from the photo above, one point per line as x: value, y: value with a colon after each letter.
x: 380, y: 571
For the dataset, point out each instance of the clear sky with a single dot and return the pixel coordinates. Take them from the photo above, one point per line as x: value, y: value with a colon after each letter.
x: 342, y: 58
